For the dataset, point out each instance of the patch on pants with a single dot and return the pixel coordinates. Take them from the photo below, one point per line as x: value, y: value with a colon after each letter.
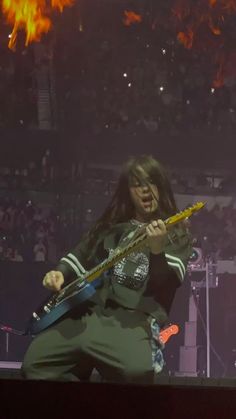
x: 157, y: 347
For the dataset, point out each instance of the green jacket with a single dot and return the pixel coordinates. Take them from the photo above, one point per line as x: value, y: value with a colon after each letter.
x: 141, y: 281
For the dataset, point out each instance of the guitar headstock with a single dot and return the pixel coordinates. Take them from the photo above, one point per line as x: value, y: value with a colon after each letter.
x: 182, y: 215
x: 165, y: 334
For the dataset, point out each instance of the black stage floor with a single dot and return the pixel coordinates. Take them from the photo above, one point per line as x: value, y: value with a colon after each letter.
x: 170, y: 397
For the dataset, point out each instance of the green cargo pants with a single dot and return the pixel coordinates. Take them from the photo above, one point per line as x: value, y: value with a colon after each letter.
x: 113, y: 340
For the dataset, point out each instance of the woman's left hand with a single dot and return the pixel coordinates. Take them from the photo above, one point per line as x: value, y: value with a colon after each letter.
x: 157, y: 233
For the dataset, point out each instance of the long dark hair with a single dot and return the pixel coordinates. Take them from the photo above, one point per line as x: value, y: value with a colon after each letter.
x: 121, y: 208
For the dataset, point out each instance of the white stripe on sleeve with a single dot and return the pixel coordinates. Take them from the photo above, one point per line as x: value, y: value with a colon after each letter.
x: 176, y: 265
x: 177, y: 260
x: 74, y: 267
x: 74, y: 258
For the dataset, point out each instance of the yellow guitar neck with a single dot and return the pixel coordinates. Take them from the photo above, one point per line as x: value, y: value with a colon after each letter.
x: 138, y: 243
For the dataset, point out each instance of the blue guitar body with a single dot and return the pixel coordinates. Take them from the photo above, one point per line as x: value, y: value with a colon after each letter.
x: 60, y: 304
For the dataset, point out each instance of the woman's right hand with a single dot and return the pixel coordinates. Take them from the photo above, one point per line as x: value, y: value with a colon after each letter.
x: 53, y: 280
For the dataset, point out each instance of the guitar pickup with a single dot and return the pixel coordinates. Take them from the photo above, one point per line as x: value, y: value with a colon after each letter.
x: 47, y: 309
x: 35, y: 316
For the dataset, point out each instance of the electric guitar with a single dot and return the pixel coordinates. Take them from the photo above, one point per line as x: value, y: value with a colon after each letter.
x: 84, y: 287
x: 166, y: 333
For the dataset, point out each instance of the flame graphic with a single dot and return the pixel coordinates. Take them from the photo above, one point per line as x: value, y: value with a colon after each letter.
x: 210, y: 14
x: 220, y: 74
x: 200, y: 25
x: 32, y: 16
x: 131, y: 17
x: 186, y: 38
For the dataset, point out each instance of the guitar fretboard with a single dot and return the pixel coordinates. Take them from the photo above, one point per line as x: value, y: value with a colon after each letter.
x: 120, y: 253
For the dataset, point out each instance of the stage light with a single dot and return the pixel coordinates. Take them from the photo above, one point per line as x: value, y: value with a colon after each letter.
x: 196, y: 259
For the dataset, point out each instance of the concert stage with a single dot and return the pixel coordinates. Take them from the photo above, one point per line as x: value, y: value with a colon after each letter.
x: 170, y: 397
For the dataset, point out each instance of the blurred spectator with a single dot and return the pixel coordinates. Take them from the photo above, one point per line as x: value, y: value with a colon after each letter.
x: 138, y: 78
x: 16, y: 256
x: 39, y: 251
x: 42, y: 231
x: 214, y: 231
